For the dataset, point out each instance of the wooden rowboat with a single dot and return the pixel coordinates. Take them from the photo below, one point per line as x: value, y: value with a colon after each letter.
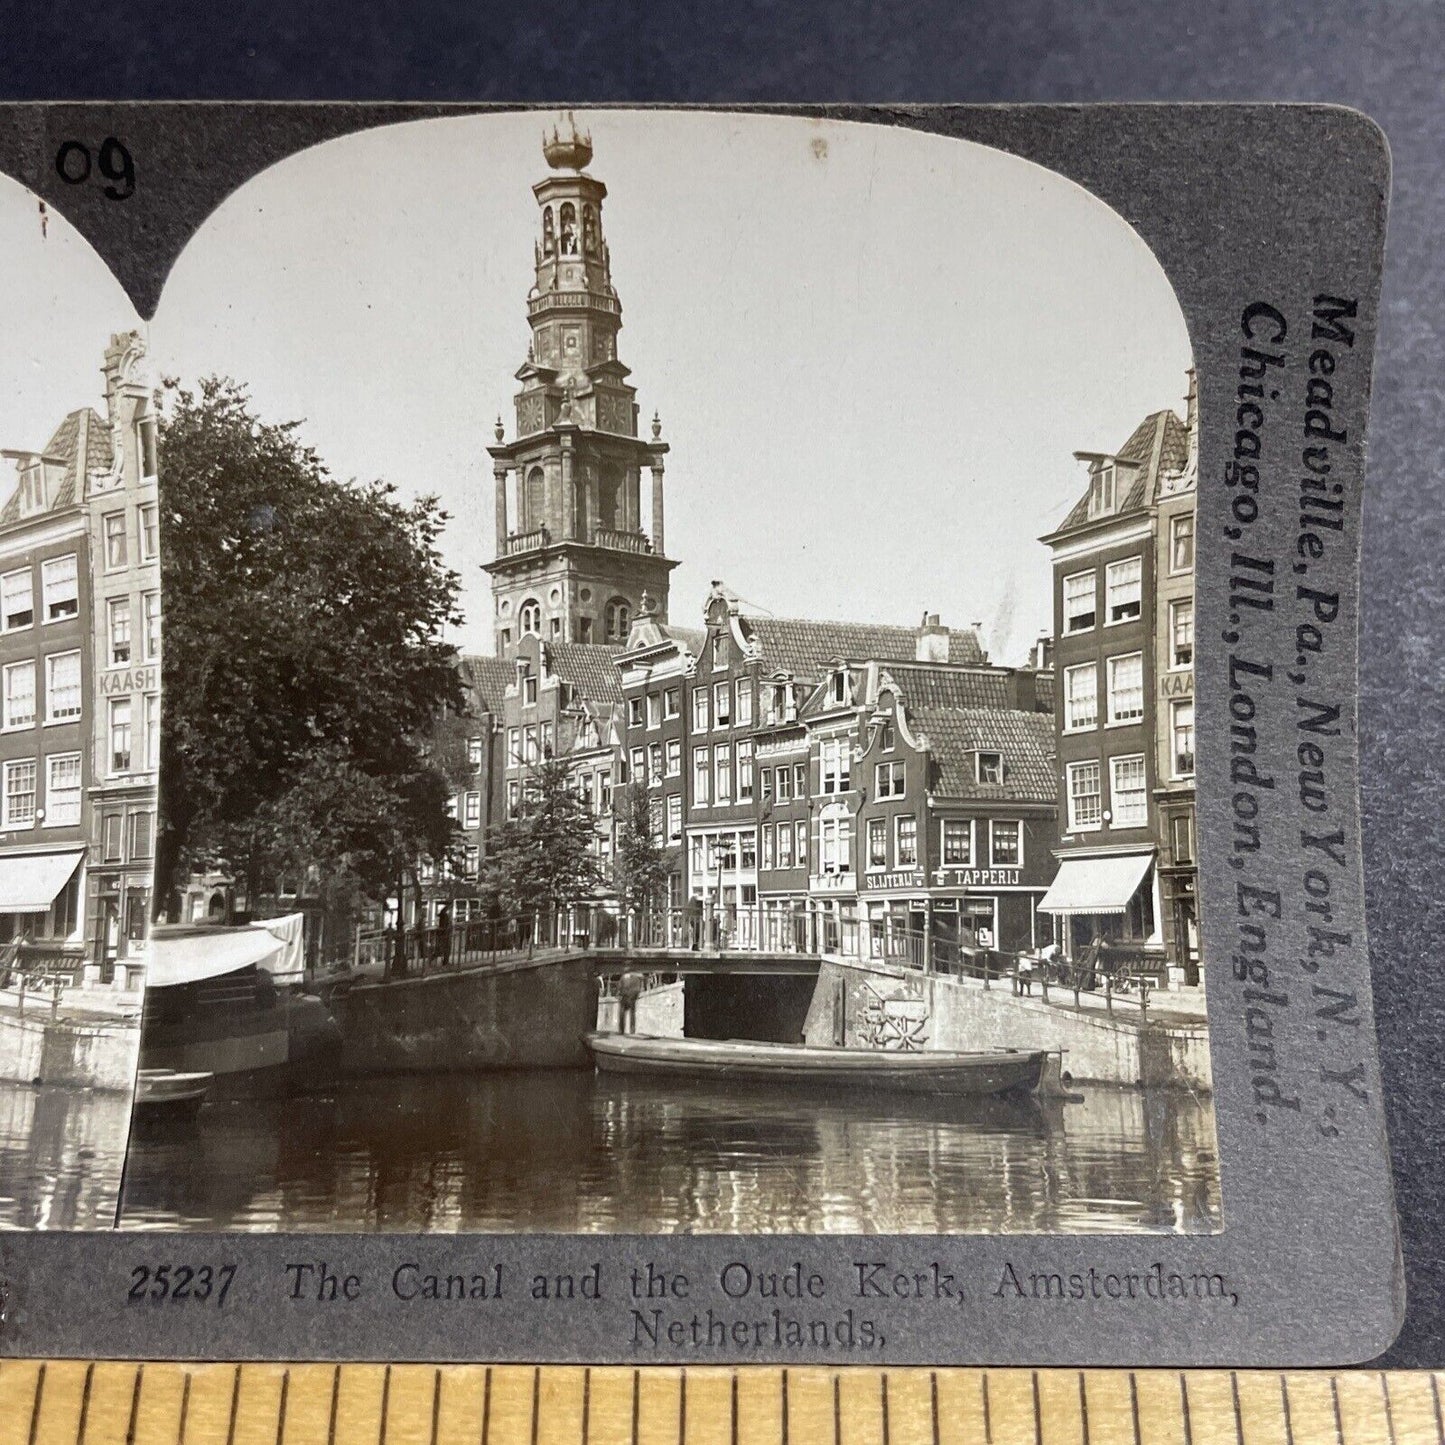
x: 170, y: 1089
x: 1004, y: 1071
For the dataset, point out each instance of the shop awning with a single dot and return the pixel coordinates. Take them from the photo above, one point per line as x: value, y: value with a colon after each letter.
x: 1096, y: 885
x: 190, y: 956
x: 30, y: 881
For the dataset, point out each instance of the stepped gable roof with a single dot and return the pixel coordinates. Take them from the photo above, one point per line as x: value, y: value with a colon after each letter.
x: 1026, y: 740
x: 930, y: 685
x: 488, y: 678
x: 805, y: 648
x: 81, y: 430
x: 590, y: 667
x: 1160, y: 443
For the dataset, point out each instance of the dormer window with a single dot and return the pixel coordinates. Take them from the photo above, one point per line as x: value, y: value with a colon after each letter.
x: 32, y: 489
x: 1102, y: 491
x: 988, y: 767
x: 839, y: 690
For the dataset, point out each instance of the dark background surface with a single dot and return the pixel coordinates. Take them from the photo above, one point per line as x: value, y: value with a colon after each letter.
x: 1386, y: 57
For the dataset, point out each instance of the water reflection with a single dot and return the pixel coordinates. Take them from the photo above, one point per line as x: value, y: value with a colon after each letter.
x: 570, y: 1152
x: 61, y: 1156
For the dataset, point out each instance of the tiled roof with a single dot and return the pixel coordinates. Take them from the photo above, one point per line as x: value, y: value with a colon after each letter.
x: 1026, y: 740
x: 935, y: 686
x: 488, y: 678
x: 1044, y: 686
x: 589, y: 667
x: 1161, y: 443
x: 65, y: 445
x: 805, y: 648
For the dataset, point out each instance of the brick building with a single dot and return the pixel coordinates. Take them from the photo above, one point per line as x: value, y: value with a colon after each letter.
x: 1106, y: 619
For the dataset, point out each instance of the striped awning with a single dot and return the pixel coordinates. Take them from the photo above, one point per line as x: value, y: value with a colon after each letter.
x: 30, y: 881
x: 1096, y: 885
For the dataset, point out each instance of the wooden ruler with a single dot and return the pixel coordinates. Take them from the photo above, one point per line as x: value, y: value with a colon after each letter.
x: 68, y: 1402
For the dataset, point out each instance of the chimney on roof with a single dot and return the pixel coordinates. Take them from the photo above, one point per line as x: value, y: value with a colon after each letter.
x: 932, y: 643
x: 1043, y: 659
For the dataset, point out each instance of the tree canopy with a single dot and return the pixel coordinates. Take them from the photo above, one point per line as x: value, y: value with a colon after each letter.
x: 305, y: 669
x: 640, y: 870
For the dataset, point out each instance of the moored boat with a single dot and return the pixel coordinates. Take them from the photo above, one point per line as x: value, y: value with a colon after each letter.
x: 172, y: 1090
x: 1003, y: 1071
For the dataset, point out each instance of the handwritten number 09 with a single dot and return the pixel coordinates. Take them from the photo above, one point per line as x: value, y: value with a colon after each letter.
x: 74, y: 165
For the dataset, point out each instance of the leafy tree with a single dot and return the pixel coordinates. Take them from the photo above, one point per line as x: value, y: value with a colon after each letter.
x: 541, y: 861
x: 639, y: 874
x: 304, y: 666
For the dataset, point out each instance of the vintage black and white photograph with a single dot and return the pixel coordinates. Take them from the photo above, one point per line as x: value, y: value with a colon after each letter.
x: 731, y: 773
x: 79, y: 718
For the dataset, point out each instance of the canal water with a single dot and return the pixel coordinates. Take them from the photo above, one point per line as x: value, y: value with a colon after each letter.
x: 573, y: 1152
x: 61, y: 1156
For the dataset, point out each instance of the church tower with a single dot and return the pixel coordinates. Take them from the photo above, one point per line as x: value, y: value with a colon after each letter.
x: 573, y: 559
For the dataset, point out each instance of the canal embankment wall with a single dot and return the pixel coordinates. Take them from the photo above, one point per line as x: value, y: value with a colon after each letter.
x: 65, y: 1053
x: 871, y: 1005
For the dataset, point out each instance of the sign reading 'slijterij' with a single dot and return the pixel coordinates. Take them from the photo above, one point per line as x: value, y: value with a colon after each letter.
x: 514, y: 844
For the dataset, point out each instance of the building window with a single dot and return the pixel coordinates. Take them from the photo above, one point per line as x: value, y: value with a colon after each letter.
x: 674, y: 817
x: 722, y: 708
x: 62, y: 791
x: 655, y: 823
x: 835, y: 837
x: 723, y: 771
x: 887, y: 737
x: 1081, y: 697
x: 149, y: 534
x: 800, y: 780
x: 112, y: 836
x: 785, y: 845
x: 514, y: 798
x: 1181, y: 543
x: 1181, y: 830
x: 17, y: 600
x: 654, y: 763
x: 19, y: 800
x: 62, y: 686
x: 671, y: 702
x: 153, y: 730
x: 748, y: 851
x: 988, y: 767
x: 634, y: 712
x: 118, y: 609
x: 472, y: 860
x: 888, y: 780
x: 120, y: 735
x: 529, y: 618
x: 800, y: 831
x: 151, y: 616
x: 785, y: 784
x: 745, y: 769
x: 113, y: 526
x: 60, y: 587
x: 637, y: 762
x: 1080, y: 603
x: 877, y: 843
x: 1181, y: 633
x: 701, y: 776
x: 547, y: 748
x: 474, y: 754
x: 604, y: 791
x: 654, y: 710
x: 766, y: 779
x: 744, y: 711
x: 141, y: 834
x: 514, y: 747
x: 1085, y: 800
x: 1182, y: 731
x: 835, y: 762
x: 618, y: 620
x: 1123, y: 588
x: 1005, y: 844
x: 1102, y: 490
x: 1129, y: 796
x: 958, y: 842
x: 1126, y: 688
x: 472, y: 813
x: 19, y: 700
x: 699, y: 709
x: 906, y: 841
x: 768, y: 844
x: 674, y: 757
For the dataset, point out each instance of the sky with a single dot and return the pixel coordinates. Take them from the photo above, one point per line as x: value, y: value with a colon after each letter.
x: 874, y: 352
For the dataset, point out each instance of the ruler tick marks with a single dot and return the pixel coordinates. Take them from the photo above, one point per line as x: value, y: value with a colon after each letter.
x: 1083, y: 1409
x: 837, y: 1411
x: 987, y: 1417
x: 281, y: 1410
x: 1134, y: 1405
x: 784, y: 1409
x: 1184, y: 1409
x: 487, y: 1406
x: 1238, y: 1414
x: 1335, y: 1406
x: 85, y: 1403
x: 185, y: 1410
x: 1038, y: 1410
x: 40, y: 1395
x: 235, y: 1405
x: 436, y: 1405
x: 1389, y: 1407
x: 134, y: 1405
x: 1288, y: 1418
x: 682, y: 1406
x: 385, y: 1405
x: 883, y: 1404
x: 586, y: 1404
x: 933, y: 1402
x: 537, y: 1401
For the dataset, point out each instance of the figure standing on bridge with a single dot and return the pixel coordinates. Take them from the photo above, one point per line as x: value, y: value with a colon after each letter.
x: 693, y: 914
